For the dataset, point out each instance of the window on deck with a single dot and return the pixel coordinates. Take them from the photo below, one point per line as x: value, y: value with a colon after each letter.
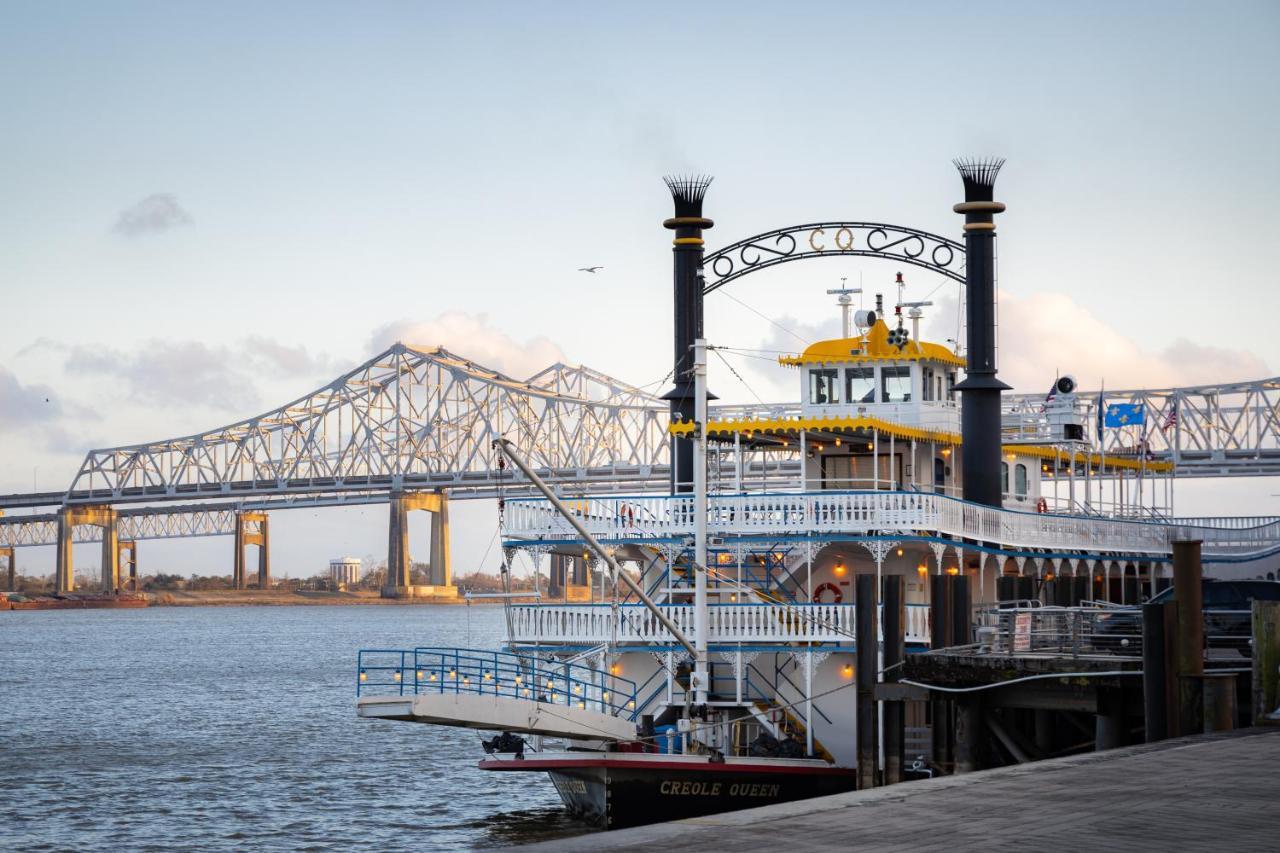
x: 1020, y: 480
x: 860, y: 384
x: 824, y: 386
x: 895, y: 383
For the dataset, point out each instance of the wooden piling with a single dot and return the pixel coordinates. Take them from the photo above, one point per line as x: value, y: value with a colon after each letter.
x: 1219, y: 701
x: 895, y: 649
x: 1266, y: 662
x: 940, y: 612
x: 868, y: 643
x: 1189, y: 637
x: 1155, y: 673
x: 961, y: 629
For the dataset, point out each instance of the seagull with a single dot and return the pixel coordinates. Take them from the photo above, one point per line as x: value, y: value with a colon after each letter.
x: 589, y: 269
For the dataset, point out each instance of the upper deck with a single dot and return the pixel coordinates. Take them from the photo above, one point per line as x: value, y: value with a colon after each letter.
x: 831, y: 515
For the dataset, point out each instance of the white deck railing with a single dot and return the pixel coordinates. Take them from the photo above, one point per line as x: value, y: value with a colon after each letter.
x: 861, y: 513
x: 591, y: 624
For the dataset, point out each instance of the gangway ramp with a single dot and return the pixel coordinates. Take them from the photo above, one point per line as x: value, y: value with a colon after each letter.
x: 495, y: 691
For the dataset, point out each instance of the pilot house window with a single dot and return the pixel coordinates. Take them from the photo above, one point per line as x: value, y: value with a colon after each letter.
x: 896, y: 384
x: 824, y: 386
x: 860, y: 384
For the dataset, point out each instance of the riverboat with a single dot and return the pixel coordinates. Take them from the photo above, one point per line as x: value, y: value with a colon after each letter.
x: 759, y: 709
x: 695, y: 651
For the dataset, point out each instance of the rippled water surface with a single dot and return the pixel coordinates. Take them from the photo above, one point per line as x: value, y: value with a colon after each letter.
x: 234, y: 728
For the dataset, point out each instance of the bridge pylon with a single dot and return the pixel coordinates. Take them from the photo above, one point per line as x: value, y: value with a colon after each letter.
x: 130, y: 545
x: 399, y: 582
x: 71, y: 517
x: 11, y: 585
x: 252, y: 528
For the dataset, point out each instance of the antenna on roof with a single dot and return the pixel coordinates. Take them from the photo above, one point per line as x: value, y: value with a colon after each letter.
x: 845, y: 301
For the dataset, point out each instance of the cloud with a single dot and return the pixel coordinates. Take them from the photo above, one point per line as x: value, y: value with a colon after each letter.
x: 471, y: 336
x: 26, y: 405
x: 269, y: 355
x: 1044, y: 334
x: 155, y: 214
x: 167, y: 373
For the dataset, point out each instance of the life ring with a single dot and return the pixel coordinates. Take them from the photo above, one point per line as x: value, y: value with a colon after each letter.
x: 823, y: 587
x: 627, y: 515
x: 1042, y: 505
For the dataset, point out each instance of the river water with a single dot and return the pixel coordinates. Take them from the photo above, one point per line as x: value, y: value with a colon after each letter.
x: 225, y: 728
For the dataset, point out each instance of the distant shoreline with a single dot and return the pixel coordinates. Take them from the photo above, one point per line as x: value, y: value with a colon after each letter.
x: 276, y: 598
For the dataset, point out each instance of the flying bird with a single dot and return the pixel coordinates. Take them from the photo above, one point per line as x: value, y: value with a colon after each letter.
x: 589, y: 269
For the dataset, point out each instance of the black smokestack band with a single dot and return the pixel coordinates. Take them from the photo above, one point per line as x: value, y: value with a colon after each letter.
x: 980, y: 412
x: 687, y: 251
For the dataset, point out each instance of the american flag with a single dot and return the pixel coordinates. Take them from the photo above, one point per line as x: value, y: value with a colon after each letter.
x: 1170, y: 419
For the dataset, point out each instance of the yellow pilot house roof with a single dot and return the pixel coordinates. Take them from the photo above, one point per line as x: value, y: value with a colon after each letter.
x: 871, y: 346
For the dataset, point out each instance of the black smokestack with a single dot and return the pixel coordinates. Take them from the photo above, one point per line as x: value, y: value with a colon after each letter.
x: 687, y: 191
x: 980, y: 412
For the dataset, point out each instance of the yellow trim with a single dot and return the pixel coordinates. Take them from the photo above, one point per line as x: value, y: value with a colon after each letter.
x: 766, y: 426
x: 873, y: 346
x: 1095, y: 460
x: 682, y: 241
x: 980, y: 226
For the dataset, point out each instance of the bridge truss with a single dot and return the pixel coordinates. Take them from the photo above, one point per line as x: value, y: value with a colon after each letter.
x: 407, y: 418
x: 1228, y: 429
x: 414, y: 418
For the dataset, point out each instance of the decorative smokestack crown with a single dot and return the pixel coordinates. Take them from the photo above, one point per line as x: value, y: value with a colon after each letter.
x: 979, y: 177
x: 688, y: 192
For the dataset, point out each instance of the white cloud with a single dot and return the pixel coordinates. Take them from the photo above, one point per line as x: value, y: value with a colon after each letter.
x: 1041, y: 336
x: 471, y: 336
x: 1044, y: 334
x: 155, y: 214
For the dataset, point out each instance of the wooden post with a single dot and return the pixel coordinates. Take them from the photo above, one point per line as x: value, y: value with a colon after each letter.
x: 1006, y: 590
x: 1154, y: 672
x: 940, y: 611
x: 1266, y: 662
x: 1189, y: 639
x: 968, y: 711
x: 895, y: 649
x: 1219, y: 701
x: 867, y: 646
x: 961, y: 630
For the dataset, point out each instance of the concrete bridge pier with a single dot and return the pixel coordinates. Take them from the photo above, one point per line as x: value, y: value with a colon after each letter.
x: 7, y: 553
x: 130, y: 545
x: 70, y: 517
x: 252, y: 528
x: 399, y: 582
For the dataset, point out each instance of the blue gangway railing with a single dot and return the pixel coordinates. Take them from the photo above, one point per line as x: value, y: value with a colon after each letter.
x: 410, y: 672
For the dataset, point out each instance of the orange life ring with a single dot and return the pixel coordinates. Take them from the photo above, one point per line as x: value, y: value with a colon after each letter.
x: 823, y: 587
x: 1042, y: 505
x: 627, y: 516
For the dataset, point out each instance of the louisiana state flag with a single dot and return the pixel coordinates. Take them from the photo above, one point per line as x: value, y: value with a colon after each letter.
x: 1125, y: 414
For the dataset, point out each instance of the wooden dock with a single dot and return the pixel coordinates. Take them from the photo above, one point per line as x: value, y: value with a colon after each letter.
x: 1210, y: 792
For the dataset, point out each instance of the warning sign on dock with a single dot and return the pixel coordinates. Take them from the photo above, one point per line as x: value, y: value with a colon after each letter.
x: 1022, y: 632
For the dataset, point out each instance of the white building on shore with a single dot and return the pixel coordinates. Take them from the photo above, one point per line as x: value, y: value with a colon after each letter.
x: 344, y: 571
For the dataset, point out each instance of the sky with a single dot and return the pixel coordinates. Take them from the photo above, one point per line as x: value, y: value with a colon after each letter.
x: 211, y: 209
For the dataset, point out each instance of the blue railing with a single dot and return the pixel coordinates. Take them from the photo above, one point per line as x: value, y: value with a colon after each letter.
x: 406, y: 672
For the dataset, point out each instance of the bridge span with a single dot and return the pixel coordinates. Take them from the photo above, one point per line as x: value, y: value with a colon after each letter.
x: 412, y: 420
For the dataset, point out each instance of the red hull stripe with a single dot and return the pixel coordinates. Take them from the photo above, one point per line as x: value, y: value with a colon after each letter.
x: 615, y: 764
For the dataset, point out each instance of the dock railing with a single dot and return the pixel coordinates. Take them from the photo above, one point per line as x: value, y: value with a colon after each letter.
x: 411, y: 672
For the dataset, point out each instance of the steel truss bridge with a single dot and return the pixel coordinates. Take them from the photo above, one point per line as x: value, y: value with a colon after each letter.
x: 414, y: 419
